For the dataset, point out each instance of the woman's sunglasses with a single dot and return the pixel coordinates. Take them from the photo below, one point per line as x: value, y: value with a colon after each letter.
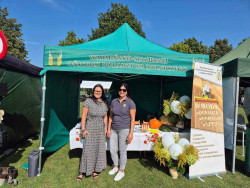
x: 124, y: 90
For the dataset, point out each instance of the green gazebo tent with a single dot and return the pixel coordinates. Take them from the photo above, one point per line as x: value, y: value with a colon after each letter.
x: 152, y: 72
x: 22, y: 104
x: 236, y: 65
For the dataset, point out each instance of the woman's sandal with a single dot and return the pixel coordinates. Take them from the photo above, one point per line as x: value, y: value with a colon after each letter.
x: 79, y: 177
x: 95, y: 176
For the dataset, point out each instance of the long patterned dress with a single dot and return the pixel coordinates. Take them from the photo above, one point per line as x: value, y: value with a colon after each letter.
x: 94, y: 147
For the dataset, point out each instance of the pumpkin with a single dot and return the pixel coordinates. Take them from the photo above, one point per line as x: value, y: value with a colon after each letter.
x: 155, y: 123
x: 165, y: 120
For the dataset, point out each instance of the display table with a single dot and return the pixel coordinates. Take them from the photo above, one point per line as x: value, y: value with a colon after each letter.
x: 137, y: 143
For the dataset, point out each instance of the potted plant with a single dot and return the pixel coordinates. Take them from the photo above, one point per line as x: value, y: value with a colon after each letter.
x: 175, y: 153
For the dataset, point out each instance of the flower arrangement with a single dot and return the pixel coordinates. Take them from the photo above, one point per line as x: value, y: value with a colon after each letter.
x: 80, y: 135
x: 175, y: 153
x: 177, y: 108
x: 151, y: 137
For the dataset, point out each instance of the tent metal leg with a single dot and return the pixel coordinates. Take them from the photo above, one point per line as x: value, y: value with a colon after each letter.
x: 243, y: 132
x: 235, y: 122
x: 42, y: 124
x: 79, y: 96
x: 161, y: 96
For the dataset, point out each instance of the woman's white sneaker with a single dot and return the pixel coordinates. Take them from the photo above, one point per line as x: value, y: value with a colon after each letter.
x: 113, y: 171
x: 119, y: 176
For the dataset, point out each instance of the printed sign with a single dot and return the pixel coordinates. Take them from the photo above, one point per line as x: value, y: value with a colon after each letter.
x: 70, y: 58
x: 207, y: 132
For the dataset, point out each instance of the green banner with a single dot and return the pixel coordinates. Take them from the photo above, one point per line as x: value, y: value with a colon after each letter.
x: 80, y: 60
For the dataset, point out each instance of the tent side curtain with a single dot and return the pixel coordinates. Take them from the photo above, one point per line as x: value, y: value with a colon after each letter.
x: 229, y: 85
x: 61, y: 113
x: 81, y: 60
x: 22, y: 105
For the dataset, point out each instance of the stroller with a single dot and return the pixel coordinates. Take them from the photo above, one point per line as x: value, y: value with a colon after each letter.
x: 9, y: 174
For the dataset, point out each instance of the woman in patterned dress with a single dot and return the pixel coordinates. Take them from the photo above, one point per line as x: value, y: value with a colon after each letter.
x: 94, y: 128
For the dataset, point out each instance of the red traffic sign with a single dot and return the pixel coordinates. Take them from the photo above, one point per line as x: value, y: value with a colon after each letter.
x: 3, y: 45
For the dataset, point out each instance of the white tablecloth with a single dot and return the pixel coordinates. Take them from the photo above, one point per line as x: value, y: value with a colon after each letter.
x: 137, y: 143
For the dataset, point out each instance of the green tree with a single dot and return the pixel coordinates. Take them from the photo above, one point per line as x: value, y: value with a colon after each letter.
x: 181, y: 47
x: 13, y: 33
x: 196, y: 46
x: 191, y: 46
x: 71, y: 39
x: 219, y: 49
x: 113, y: 19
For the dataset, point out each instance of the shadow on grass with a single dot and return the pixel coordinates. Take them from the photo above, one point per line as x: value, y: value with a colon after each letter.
x: 109, y: 159
x: 75, y: 153
x: 239, y: 164
x: 45, y: 156
x: 150, y: 163
x: 130, y: 155
x: 13, y: 158
x: 241, y: 167
x: 17, y: 154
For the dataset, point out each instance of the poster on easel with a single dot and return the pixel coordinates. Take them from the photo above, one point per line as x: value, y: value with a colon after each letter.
x: 207, y: 131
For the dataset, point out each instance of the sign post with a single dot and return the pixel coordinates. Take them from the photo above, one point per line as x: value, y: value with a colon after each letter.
x: 3, y: 45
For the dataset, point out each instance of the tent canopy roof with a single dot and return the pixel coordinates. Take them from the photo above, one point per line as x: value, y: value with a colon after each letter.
x: 236, y: 63
x: 124, y: 39
x: 123, y: 51
x: 12, y: 63
x: 241, y: 51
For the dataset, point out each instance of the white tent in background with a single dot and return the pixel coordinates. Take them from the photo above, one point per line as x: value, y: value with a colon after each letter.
x: 91, y: 84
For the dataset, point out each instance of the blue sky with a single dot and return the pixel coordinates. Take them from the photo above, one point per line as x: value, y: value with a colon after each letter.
x: 165, y: 22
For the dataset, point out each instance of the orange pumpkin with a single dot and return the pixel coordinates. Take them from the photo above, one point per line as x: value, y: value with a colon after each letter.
x: 155, y: 123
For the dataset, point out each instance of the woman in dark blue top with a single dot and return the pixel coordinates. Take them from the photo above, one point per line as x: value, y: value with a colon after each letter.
x: 120, y: 130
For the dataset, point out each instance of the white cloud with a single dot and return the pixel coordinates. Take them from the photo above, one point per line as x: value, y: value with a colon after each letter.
x: 32, y: 43
x: 54, y: 4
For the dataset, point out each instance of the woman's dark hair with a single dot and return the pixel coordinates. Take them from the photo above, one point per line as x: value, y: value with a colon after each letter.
x: 103, y: 95
x: 127, y: 88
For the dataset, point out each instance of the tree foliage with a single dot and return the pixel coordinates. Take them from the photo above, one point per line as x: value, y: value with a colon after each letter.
x: 13, y: 33
x: 219, y: 49
x: 196, y: 46
x: 191, y: 46
x: 71, y: 39
x: 113, y: 19
x: 181, y: 47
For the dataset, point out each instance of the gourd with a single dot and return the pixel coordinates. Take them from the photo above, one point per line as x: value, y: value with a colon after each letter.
x: 167, y: 140
x: 155, y: 123
x: 165, y: 120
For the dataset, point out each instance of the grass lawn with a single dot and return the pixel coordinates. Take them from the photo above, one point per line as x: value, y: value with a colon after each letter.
x: 61, y: 169
x: 242, y: 112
